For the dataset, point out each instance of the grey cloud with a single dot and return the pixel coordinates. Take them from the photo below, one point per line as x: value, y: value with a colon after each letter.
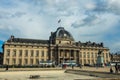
x: 5, y: 15
x: 8, y: 15
x: 8, y: 30
x: 103, y: 6
x: 88, y: 21
x: 18, y: 14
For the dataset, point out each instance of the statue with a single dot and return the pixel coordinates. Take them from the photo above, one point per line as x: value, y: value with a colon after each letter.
x: 100, y: 52
x: 100, y: 60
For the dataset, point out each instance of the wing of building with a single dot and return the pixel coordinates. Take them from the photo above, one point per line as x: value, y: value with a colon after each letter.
x: 61, y: 47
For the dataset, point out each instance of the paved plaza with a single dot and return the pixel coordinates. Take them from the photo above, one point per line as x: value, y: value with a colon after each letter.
x: 44, y: 75
x: 97, y: 69
x: 47, y: 73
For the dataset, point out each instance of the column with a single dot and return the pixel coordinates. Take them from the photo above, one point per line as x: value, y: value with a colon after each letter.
x: 23, y: 55
x: 17, y: 56
x: 4, y: 58
x: 10, y: 58
x: 63, y: 55
x: 58, y: 56
x: 70, y: 55
x: 51, y: 55
x: 29, y: 56
x: 34, y: 57
x: 74, y: 52
x: 78, y: 59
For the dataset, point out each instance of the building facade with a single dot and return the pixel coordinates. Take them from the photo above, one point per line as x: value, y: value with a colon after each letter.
x: 115, y: 57
x: 60, y: 47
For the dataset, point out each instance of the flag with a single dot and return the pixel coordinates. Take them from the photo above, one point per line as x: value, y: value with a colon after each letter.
x: 59, y: 20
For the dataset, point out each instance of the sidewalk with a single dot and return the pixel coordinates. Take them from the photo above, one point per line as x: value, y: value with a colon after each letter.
x: 97, y: 72
x: 97, y: 69
x: 30, y: 69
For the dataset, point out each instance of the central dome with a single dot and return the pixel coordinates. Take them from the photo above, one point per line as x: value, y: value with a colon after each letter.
x: 62, y: 33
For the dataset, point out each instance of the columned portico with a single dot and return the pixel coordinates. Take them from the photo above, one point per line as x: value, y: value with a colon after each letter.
x: 67, y: 54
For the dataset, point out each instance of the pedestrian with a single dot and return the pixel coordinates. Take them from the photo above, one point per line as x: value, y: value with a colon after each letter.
x: 111, y: 70
x: 116, y: 68
x: 62, y: 66
x: 6, y: 67
x: 72, y: 66
x: 119, y: 67
x: 65, y: 66
x: 80, y: 66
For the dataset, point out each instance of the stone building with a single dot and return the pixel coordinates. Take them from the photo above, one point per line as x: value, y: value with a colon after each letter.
x: 60, y: 47
x: 115, y: 57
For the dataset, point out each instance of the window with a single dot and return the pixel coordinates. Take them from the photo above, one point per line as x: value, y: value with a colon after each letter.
x: 65, y: 54
x: 8, y: 52
x: 26, y: 53
x: 107, y: 55
x: 93, y: 62
x: 42, y: 54
x: 20, y: 52
x: 26, y: 61
x: 31, y: 61
x: 37, y: 53
x: 84, y: 61
x: 77, y: 53
x: 72, y: 52
x: 47, y: 53
x: 84, y: 54
x: 80, y: 55
x: 14, y: 52
x: 60, y: 54
x: 53, y: 54
x: 88, y: 55
x: 14, y: 61
x: 32, y: 52
x: 7, y: 61
x: 20, y: 61
x: 88, y: 61
x: 92, y: 54
x: 81, y: 61
x: 37, y: 61
x: 106, y: 61
x: 96, y: 55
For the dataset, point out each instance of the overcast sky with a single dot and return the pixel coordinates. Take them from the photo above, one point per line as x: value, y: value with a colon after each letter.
x: 87, y: 20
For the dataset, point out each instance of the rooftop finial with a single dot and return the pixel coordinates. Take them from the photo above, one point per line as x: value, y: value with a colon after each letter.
x: 12, y: 37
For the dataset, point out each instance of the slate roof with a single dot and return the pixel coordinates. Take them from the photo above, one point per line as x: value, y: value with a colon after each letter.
x: 24, y: 40
x: 92, y: 44
x: 37, y: 41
